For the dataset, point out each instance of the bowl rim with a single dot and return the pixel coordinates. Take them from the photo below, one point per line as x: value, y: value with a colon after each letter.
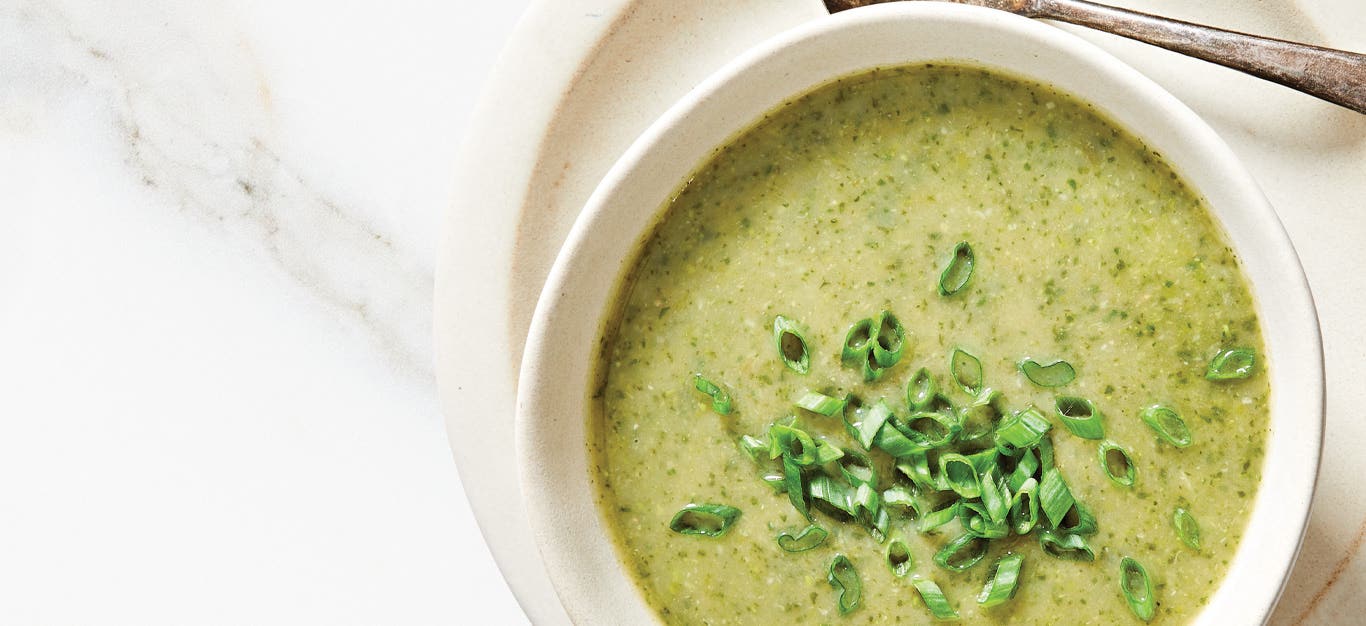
x: 591, y: 589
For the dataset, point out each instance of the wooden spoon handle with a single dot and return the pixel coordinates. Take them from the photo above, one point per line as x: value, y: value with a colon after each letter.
x: 1333, y: 75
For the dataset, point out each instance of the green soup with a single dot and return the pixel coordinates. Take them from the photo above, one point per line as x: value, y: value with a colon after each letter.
x: 849, y: 201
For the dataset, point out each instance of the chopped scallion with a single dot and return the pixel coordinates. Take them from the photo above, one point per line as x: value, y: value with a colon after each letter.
x: 845, y: 579
x: 966, y: 370
x: 1055, y: 374
x: 920, y: 391
x: 820, y: 403
x: 806, y: 539
x: 1118, y: 466
x: 961, y: 553
x: 899, y: 558
x: 1054, y: 497
x: 1187, y: 529
x: 889, y: 341
x: 1080, y: 416
x: 1168, y: 424
x: 1066, y: 547
x: 711, y: 520
x: 1002, y: 580
x: 1232, y: 364
x: 934, y: 599
x: 1024, y: 507
x: 960, y: 474
x: 720, y: 398
x: 958, y: 271
x: 1137, y: 589
x: 789, y: 338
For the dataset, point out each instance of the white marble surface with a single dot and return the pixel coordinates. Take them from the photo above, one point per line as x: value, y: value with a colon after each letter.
x: 217, y: 236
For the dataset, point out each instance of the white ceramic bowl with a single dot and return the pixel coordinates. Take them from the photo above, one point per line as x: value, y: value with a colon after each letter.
x: 553, y: 401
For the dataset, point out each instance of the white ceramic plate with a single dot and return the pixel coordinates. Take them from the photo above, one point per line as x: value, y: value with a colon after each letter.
x: 553, y: 404
x: 541, y: 143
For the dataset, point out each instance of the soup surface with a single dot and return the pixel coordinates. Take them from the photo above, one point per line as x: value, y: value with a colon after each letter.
x: 849, y: 201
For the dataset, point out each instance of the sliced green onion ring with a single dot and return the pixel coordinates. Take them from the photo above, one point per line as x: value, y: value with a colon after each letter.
x: 916, y: 466
x: 934, y: 599
x: 920, y: 391
x: 793, y: 443
x: 899, y: 558
x: 858, y: 469
x: 973, y: 517
x: 1066, y: 547
x: 1232, y: 364
x: 889, y: 341
x: 1022, y: 430
x: 930, y: 429
x: 711, y: 520
x: 1025, y: 468
x: 820, y: 403
x: 1080, y: 416
x: 1118, y: 466
x: 938, y: 517
x: 960, y: 474
x: 863, y: 422
x: 857, y: 342
x: 1168, y: 425
x: 789, y: 337
x: 807, y: 538
x: 900, y: 498
x: 720, y: 398
x: 1187, y: 529
x: 995, y: 496
x: 958, y: 271
x: 966, y: 370
x: 961, y: 553
x: 796, y: 487
x: 754, y: 447
x: 1003, y: 580
x: 1078, y: 521
x: 1054, y: 497
x: 841, y: 495
x: 845, y: 579
x: 893, y: 440
x: 1024, y: 507
x: 980, y: 418
x: 1055, y: 374
x: 1137, y: 589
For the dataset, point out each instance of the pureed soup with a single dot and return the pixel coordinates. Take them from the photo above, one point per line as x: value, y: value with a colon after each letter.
x: 931, y: 342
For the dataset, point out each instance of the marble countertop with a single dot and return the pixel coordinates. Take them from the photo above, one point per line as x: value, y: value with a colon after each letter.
x: 216, y: 255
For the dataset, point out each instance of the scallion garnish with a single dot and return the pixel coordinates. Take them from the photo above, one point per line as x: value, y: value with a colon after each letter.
x: 806, y: 539
x: 820, y: 403
x: 995, y: 496
x: 961, y: 553
x: 858, y: 340
x: 979, y: 418
x: 838, y: 494
x: 966, y: 370
x: 1065, y: 546
x: 1137, y: 589
x: 1168, y: 424
x: 863, y: 422
x: 892, y: 439
x: 1080, y: 416
x: 789, y: 337
x: 1022, y: 430
x: 960, y: 475
x: 1187, y: 529
x: 930, y: 429
x: 1114, y: 459
x: 845, y: 579
x: 973, y: 517
x: 904, y: 500
x: 711, y: 520
x: 1024, y: 507
x: 1232, y: 364
x: 938, y: 517
x: 1078, y: 521
x: 720, y: 398
x: 1003, y: 580
x: 754, y: 447
x: 858, y: 469
x: 1054, y: 497
x: 958, y: 271
x: 796, y: 487
x: 1025, y: 467
x: 1055, y: 374
x: 889, y: 341
x: 934, y: 599
x: 899, y: 558
x: 920, y: 391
